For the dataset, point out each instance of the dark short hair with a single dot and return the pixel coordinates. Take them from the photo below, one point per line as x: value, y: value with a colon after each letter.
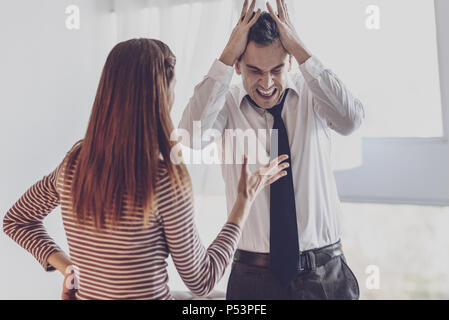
x: 265, y: 31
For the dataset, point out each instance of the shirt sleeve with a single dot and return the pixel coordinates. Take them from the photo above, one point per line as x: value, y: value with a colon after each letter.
x: 200, y: 268
x: 24, y: 221
x: 332, y: 100
x: 205, y: 109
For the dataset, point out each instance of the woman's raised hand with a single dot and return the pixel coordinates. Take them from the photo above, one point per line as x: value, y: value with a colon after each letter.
x: 250, y: 184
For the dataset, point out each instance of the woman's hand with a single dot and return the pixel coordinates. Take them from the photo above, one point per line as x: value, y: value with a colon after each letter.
x: 70, y: 284
x: 60, y: 261
x: 250, y: 184
x: 239, y: 36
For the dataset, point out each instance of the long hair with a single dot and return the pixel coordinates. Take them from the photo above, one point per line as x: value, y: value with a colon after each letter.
x: 128, y: 135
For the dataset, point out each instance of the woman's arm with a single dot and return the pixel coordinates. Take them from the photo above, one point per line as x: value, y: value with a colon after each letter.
x: 62, y: 263
x: 24, y: 224
x: 202, y: 268
x: 24, y: 221
x: 199, y: 267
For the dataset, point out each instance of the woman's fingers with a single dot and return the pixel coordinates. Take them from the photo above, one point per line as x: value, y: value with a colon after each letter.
x: 273, y: 167
x: 270, y: 167
x: 278, y: 169
x: 275, y: 178
x: 270, y: 173
x: 69, y: 294
x: 245, y: 170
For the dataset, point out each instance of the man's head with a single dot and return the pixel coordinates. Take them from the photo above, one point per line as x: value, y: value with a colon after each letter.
x: 265, y: 64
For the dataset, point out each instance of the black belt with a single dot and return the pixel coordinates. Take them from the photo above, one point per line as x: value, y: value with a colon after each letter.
x: 310, y: 259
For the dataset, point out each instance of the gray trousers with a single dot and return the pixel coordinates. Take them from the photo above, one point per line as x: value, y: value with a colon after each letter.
x: 331, y: 281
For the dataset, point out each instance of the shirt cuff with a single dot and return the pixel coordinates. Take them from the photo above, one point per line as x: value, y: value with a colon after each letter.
x: 311, y: 68
x: 221, y: 72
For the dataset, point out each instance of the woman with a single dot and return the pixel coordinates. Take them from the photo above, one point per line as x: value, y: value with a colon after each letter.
x: 125, y: 205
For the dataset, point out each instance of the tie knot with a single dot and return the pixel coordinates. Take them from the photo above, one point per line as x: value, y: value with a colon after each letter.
x: 276, y: 110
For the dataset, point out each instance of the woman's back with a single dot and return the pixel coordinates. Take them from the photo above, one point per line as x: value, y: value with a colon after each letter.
x: 129, y: 260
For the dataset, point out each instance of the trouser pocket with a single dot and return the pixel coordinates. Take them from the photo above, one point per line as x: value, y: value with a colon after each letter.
x: 338, y: 281
x: 353, y: 284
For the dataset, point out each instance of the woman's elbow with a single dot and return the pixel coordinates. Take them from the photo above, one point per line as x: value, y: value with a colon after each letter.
x: 7, y: 225
x: 202, y: 290
x: 200, y: 285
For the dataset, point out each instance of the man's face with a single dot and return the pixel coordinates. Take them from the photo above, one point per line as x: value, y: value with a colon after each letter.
x: 264, y: 72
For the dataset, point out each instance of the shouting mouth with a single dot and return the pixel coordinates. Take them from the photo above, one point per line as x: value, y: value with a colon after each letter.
x: 266, y: 94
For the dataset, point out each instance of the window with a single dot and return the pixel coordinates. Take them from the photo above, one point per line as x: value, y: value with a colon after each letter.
x: 393, y: 70
x: 401, y: 152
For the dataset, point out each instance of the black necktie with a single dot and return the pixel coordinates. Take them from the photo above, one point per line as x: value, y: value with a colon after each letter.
x: 284, y: 244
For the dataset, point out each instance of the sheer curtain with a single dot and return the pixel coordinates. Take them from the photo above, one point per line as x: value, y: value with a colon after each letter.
x: 194, y: 30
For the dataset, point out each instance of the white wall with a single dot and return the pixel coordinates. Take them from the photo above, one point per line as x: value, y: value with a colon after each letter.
x: 48, y: 79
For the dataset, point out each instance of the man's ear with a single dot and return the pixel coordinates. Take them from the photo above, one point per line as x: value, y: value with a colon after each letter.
x: 237, y: 68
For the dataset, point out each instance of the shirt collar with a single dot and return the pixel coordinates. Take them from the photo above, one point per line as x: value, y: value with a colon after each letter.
x: 242, y: 92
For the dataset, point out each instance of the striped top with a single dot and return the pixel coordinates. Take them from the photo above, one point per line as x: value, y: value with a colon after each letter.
x: 128, y: 262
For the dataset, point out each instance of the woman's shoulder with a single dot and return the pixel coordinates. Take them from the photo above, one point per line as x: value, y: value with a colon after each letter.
x: 76, y: 147
x: 73, y: 153
x: 166, y: 182
x: 66, y: 167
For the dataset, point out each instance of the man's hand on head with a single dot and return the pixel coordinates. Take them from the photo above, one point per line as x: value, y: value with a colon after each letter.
x: 239, y: 36
x: 289, y: 38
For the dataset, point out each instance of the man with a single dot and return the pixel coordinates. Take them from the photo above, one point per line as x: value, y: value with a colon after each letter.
x: 290, y: 246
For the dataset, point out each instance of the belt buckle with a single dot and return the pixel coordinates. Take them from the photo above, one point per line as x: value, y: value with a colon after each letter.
x: 309, y: 261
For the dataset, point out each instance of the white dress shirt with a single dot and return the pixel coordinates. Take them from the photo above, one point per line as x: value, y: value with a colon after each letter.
x: 317, y: 101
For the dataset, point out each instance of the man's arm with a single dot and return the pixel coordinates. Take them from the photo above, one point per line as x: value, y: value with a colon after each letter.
x: 205, y: 109
x: 333, y: 102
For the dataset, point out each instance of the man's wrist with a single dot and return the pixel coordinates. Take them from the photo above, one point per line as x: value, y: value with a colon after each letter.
x: 301, y: 54
x: 227, y: 58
